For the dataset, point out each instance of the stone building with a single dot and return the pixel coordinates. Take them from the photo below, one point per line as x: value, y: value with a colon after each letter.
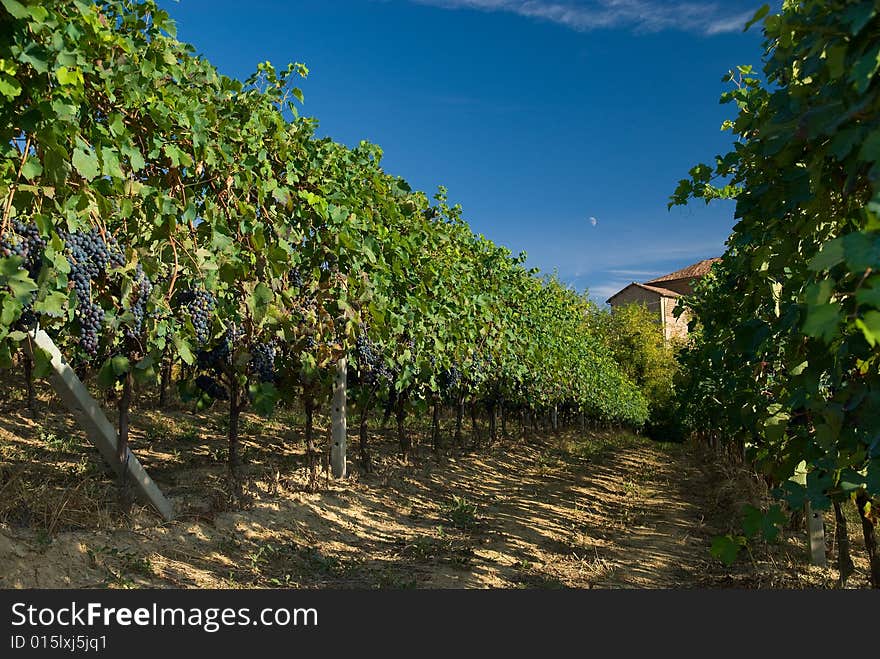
x: 661, y: 295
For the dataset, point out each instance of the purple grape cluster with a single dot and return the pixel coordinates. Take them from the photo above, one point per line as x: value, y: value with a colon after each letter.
x: 216, y: 362
x: 90, y: 317
x: 89, y: 255
x: 263, y: 360
x: 214, y: 358
x: 211, y: 387
x: 234, y: 334
x: 25, y: 242
x: 220, y: 356
x: 140, y: 295
x: 296, y: 279
x: 370, y: 363
x: 92, y: 253
x: 198, y: 304
x: 450, y: 380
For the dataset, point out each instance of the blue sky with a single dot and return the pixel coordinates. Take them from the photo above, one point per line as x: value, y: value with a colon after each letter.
x: 539, y: 116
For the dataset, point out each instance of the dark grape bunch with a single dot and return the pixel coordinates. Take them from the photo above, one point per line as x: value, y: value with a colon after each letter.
x: 116, y: 253
x: 80, y: 272
x: 214, y: 358
x: 234, y: 334
x: 89, y: 255
x: 370, y: 362
x: 141, y: 295
x: 25, y: 242
x: 480, y: 364
x: 263, y: 360
x: 364, y: 350
x: 219, y: 358
x: 92, y: 253
x: 198, y: 305
x: 27, y: 321
x: 12, y: 245
x: 211, y: 387
x: 296, y: 279
x: 450, y: 380
x: 90, y: 317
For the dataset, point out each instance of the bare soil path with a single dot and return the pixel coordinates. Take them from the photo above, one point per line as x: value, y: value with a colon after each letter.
x: 608, y: 511
x: 601, y: 510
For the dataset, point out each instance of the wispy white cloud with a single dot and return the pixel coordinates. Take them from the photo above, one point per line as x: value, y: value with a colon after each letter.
x: 650, y: 254
x: 604, y: 279
x: 636, y: 273
x: 606, y: 289
x: 704, y: 17
x: 733, y: 23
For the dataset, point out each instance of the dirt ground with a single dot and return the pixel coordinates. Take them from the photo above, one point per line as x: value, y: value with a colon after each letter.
x: 599, y: 510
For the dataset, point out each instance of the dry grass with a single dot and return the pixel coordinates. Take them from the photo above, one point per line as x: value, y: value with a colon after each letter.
x: 729, y: 486
x: 601, y: 509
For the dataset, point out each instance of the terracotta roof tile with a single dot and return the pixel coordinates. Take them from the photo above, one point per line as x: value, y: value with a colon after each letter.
x: 696, y: 270
x: 660, y: 289
x: 654, y: 289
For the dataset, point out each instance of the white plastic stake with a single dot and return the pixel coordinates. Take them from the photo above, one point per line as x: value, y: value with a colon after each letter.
x: 815, y: 525
x: 816, y: 530
x: 338, y: 435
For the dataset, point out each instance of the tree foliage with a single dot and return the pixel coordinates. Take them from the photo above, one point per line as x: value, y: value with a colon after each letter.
x: 635, y: 339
